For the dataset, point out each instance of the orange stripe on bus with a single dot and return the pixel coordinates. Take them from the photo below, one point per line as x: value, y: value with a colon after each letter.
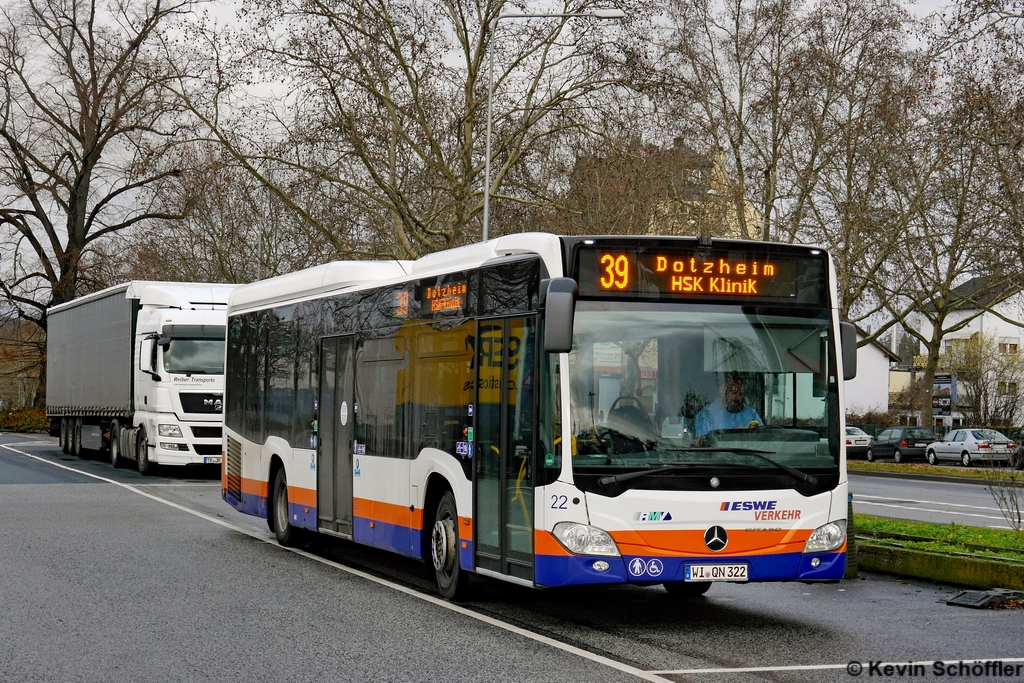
x: 301, y: 496
x: 389, y: 513
x: 691, y: 542
x: 465, y: 528
x: 255, y: 487
x: 544, y: 543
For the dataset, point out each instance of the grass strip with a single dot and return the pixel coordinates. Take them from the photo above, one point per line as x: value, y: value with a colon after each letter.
x: 916, y: 468
x: 943, y: 538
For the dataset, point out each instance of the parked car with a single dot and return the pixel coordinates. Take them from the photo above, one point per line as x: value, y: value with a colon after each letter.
x: 900, y: 443
x: 971, y: 444
x: 856, y: 442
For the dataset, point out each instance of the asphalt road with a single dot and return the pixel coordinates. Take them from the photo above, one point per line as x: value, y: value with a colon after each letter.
x: 125, y: 578
x: 926, y: 501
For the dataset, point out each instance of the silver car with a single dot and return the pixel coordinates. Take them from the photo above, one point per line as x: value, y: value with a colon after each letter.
x: 969, y: 445
x: 857, y: 441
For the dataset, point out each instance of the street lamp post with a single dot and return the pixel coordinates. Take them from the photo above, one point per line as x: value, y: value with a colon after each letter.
x: 593, y: 14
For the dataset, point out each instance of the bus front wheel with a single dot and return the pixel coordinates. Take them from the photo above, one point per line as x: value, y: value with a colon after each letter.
x: 444, y: 553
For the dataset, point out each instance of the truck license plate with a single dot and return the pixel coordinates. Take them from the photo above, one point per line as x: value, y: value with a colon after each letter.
x: 716, y: 572
x: 211, y: 461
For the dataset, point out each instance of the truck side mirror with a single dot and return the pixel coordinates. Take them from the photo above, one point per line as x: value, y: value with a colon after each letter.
x: 848, y: 335
x: 164, y: 341
x: 559, y: 309
x: 145, y: 353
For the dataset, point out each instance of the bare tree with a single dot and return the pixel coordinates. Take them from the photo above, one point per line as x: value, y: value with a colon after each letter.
x: 82, y: 124
x: 386, y: 101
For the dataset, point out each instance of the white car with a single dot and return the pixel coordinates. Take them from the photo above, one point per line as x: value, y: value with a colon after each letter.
x: 971, y: 445
x: 857, y: 441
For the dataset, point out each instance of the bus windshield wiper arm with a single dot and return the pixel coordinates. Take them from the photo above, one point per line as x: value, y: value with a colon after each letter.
x: 792, y: 471
x: 606, y: 481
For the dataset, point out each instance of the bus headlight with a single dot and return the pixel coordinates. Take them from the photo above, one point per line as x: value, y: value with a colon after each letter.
x: 582, y: 539
x: 173, y: 431
x: 828, y: 537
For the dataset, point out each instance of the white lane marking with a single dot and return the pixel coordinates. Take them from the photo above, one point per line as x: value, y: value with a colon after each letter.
x: 816, y: 667
x: 917, y: 509
x: 176, y: 486
x: 925, y: 502
x: 611, y: 663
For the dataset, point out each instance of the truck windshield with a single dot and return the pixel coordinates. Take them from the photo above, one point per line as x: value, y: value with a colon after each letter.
x: 700, y: 386
x: 195, y: 356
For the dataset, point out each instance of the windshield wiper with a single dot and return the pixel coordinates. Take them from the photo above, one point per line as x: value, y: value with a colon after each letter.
x: 792, y: 471
x: 607, y: 481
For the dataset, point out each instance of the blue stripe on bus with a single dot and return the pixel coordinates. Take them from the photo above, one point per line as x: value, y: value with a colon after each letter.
x: 568, y: 570
x: 394, y: 537
x: 250, y: 504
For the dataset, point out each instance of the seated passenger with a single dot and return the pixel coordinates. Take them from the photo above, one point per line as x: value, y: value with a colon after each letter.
x: 728, y: 411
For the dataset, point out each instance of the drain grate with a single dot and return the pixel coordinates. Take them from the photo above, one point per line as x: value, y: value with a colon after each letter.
x: 983, y: 599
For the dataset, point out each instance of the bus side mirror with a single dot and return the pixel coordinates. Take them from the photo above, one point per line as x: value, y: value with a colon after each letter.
x: 848, y: 335
x: 559, y: 309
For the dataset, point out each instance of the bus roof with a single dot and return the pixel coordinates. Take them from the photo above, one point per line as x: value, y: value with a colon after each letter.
x: 345, y: 275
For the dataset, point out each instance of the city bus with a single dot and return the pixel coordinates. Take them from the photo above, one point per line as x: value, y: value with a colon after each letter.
x: 551, y: 411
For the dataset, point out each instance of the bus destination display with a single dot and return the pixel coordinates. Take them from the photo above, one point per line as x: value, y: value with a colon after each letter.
x: 662, y: 273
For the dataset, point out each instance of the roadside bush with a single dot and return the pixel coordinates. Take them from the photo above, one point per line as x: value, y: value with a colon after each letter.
x: 26, y: 420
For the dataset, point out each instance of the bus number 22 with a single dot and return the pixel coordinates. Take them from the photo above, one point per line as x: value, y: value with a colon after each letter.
x: 558, y: 502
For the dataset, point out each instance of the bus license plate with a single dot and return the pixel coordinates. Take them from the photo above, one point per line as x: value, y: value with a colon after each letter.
x: 716, y: 572
x: 211, y: 461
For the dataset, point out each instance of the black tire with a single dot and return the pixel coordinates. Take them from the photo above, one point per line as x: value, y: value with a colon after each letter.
x: 965, y: 459
x: 286, y: 534
x: 76, y: 438
x: 687, y: 589
x: 869, y: 455
x: 897, y: 455
x: 932, y: 459
x: 142, y: 454
x: 65, y: 443
x: 452, y: 582
x: 115, y: 445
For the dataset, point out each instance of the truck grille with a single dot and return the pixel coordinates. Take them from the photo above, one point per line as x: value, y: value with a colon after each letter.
x: 202, y: 403
x: 233, y: 470
x: 206, y: 433
x: 207, y: 448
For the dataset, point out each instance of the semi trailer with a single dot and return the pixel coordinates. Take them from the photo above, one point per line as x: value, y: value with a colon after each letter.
x: 137, y: 371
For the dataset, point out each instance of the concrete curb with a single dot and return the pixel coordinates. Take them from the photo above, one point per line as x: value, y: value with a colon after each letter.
x: 923, y: 477
x: 969, y: 572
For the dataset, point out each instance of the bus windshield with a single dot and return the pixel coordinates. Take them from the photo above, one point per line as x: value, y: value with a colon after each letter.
x: 697, y: 391
x: 194, y: 356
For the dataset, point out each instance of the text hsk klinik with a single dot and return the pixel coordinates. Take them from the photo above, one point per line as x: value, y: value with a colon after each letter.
x: 713, y: 277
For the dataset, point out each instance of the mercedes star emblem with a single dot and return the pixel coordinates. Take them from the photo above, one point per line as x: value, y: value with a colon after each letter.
x: 716, y: 538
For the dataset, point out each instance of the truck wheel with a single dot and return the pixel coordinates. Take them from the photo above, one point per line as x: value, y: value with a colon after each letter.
x: 286, y: 534
x: 76, y: 438
x: 64, y: 447
x: 142, y: 454
x: 115, y: 445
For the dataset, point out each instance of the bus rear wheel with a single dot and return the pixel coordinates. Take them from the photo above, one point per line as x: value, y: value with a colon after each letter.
x: 444, y: 543
x: 286, y: 534
x: 687, y: 589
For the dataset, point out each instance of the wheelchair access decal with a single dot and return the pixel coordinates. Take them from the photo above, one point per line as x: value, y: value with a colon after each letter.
x: 652, y: 568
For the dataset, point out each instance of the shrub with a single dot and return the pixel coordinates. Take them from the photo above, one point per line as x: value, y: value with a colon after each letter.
x: 25, y: 420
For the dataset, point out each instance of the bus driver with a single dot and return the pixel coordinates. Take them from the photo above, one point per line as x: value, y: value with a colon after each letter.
x: 728, y: 411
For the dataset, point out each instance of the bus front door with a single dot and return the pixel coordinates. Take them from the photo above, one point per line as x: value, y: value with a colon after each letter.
x: 503, y: 471
x: 336, y: 422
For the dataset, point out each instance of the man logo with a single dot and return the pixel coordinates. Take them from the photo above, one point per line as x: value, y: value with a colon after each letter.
x: 637, y: 567
x: 716, y: 538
